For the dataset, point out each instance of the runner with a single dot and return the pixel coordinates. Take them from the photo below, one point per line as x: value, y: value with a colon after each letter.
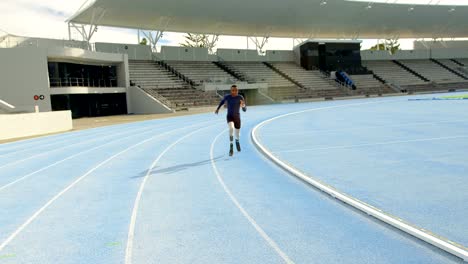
x: 234, y: 102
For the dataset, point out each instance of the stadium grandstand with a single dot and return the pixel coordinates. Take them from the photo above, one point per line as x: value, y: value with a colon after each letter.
x: 179, y: 78
x: 46, y: 83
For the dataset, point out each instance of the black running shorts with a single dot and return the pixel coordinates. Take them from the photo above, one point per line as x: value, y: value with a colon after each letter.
x: 236, y: 120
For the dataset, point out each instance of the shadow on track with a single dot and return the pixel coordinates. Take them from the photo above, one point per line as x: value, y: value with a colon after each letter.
x: 177, y: 168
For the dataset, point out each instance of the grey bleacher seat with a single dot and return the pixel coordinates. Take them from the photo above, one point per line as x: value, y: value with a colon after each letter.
x: 454, y: 66
x: 392, y: 73
x: 367, y: 84
x: 432, y: 71
x: 149, y: 75
x: 260, y: 73
x: 202, y: 72
x: 164, y: 86
x: 308, y: 79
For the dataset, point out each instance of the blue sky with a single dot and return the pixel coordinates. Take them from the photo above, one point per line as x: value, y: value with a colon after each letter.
x: 46, y: 18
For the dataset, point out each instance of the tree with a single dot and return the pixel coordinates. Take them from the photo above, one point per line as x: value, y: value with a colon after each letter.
x: 200, y: 41
x: 144, y: 42
x: 195, y: 40
x: 390, y: 45
x: 379, y: 46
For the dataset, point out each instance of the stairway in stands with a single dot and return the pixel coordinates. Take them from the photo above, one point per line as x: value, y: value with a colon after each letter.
x: 367, y: 84
x: 408, y: 69
x: 167, y: 87
x: 312, y: 84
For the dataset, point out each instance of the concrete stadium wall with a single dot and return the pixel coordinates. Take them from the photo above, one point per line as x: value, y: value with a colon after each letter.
x: 297, y: 55
x: 23, y: 74
x: 451, y: 44
x: 26, y: 125
x: 415, y: 54
x: 239, y: 55
x: 134, y: 52
x: 75, y: 55
x: 280, y: 56
x: 142, y: 103
x: 400, y: 55
x: 241, y: 85
x: 444, y: 53
x: 86, y: 90
x: 169, y: 53
x: 25, y: 42
x: 81, y: 56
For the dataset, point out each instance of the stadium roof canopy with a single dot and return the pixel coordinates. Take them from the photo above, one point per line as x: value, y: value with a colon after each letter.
x: 281, y: 18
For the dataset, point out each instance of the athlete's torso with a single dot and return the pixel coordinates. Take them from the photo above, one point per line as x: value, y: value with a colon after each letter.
x: 233, y: 104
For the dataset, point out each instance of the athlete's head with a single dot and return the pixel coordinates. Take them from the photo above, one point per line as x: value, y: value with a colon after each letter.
x: 234, y: 90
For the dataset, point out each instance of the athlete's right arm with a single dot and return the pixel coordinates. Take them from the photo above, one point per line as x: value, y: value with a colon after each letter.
x: 220, y: 104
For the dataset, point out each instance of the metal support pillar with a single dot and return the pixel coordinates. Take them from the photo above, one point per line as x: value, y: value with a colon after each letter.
x: 87, y: 31
x: 153, y: 37
x: 211, y: 41
x: 260, y: 44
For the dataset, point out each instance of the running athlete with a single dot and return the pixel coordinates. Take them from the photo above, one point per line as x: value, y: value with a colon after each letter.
x: 234, y: 102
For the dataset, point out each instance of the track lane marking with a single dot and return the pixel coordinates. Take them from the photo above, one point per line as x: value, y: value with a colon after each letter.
x: 57, y: 196
x: 136, y: 206
x: 371, y: 144
x: 249, y: 218
x: 435, y: 240
x: 146, y: 130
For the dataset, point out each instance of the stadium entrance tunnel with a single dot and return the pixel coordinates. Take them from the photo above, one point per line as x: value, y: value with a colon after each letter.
x: 91, y: 105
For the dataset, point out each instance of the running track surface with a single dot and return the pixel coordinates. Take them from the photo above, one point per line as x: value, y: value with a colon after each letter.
x: 408, y: 158
x: 165, y: 191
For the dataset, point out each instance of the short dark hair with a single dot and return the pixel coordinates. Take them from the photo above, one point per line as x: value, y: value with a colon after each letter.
x: 234, y: 86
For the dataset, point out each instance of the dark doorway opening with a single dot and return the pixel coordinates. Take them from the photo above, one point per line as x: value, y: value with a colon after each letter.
x: 91, y: 105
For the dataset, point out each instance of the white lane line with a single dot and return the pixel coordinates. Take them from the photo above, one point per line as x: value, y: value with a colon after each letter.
x: 372, y: 144
x: 80, y: 142
x: 360, y: 128
x: 136, y: 206
x: 435, y: 240
x: 77, y: 154
x: 64, y: 136
x: 57, y: 196
x: 257, y: 227
x: 83, y: 140
x: 63, y: 140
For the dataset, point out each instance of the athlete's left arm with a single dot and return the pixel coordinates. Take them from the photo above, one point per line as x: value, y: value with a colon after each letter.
x: 243, y: 104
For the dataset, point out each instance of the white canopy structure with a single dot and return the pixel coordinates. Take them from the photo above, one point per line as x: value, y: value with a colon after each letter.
x: 280, y: 18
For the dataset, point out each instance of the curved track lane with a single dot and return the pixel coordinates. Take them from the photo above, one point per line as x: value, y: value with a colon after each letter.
x: 197, y: 205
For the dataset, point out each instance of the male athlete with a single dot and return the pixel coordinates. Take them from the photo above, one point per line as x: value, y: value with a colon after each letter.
x: 234, y: 102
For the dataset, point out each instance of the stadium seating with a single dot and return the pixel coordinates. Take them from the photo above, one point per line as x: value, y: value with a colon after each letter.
x: 367, y: 84
x: 391, y: 72
x: 463, y: 61
x: 309, y: 79
x: 260, y: 73
x: 167, y: 88
x: 182, y: 98
x: 454, y: 67
x: 293, y: 93
x: 432, y: 71
x: 435, y: 87
x: 288, y: 81
x: 149, y: 75
x: 201, y: 72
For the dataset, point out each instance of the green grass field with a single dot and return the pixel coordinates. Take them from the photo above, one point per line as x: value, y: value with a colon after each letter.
x: 464, y: 96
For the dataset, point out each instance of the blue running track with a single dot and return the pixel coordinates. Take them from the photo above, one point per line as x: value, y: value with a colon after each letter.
x: 165, y: 191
